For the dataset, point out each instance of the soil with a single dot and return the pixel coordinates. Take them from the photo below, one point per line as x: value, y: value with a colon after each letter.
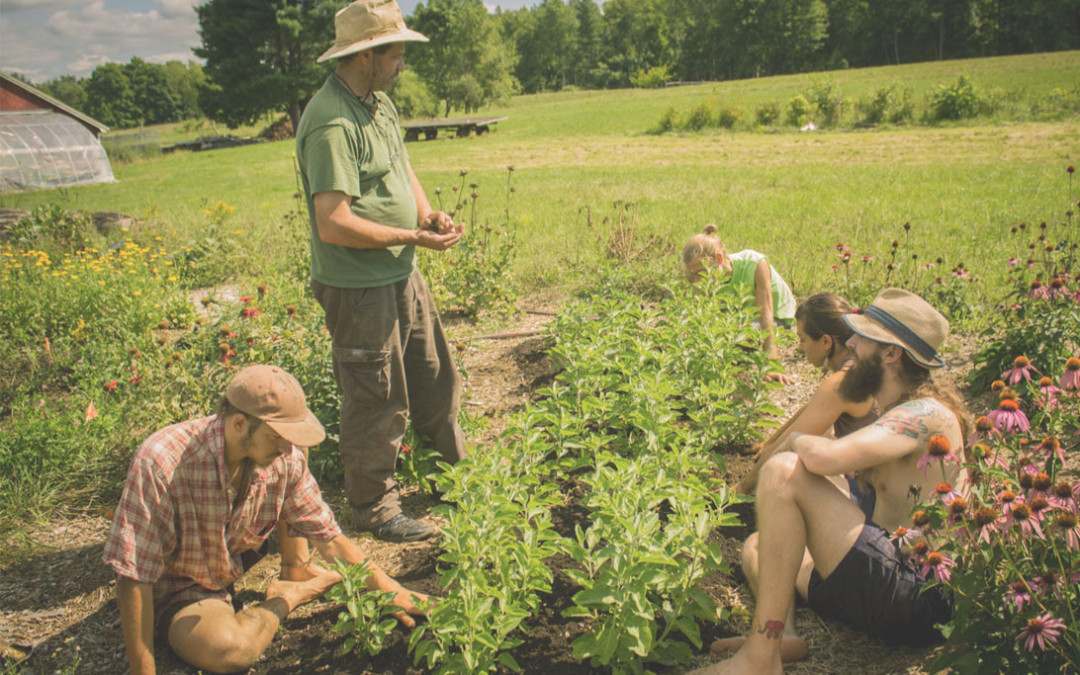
x: 57, y: 609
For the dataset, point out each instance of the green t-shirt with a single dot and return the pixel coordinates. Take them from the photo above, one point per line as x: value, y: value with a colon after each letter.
x: 344, y: 145
x: 744, y: 265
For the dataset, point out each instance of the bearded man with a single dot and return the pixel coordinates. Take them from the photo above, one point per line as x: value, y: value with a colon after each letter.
x: 835, y: 549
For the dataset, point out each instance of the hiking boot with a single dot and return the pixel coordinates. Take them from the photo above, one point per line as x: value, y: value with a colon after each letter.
x: 401, y: 528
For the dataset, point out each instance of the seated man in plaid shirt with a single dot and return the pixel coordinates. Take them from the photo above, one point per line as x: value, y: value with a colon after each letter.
x: 201, y: 498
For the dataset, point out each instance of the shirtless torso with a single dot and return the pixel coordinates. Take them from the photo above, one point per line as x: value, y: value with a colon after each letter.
x: 899, y: 483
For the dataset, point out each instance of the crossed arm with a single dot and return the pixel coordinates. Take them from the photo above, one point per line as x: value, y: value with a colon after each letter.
x: 896, y: 434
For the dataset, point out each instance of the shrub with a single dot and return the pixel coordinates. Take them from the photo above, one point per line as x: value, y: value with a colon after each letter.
x: 958, y: 101
x: 653, y: 78
x: 798, y: 111
x: 827, y: 100
x: 767, y: 113
x: 888, y: 104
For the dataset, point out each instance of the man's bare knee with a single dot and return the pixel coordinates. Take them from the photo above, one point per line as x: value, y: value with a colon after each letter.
x: 229, y: 650
x: 777, y: 473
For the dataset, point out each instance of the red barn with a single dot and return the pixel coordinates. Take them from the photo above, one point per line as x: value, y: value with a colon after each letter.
x: 46, y: 143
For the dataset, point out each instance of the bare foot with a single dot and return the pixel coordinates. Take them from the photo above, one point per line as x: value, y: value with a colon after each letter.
x: 744, y: 662
x: 296, y: 593
x: 303, y: 573
x: 792, y: 647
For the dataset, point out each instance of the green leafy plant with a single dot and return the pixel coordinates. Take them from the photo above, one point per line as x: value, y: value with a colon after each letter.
x: 958, y: 101
x: 475, y: 275
x: 367, y: 616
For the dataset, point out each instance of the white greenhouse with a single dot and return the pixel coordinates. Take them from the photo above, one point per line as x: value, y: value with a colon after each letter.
x: 45, y: 143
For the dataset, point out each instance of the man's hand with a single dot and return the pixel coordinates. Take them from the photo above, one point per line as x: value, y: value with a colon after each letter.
x: 439, y: 241
x: 438, y: 221
x: 408, y: 601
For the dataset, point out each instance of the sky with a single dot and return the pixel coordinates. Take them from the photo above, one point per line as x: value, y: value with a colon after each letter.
x: 43, y: 39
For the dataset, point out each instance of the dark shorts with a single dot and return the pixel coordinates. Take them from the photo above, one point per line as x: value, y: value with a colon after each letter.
x: 877, y: 591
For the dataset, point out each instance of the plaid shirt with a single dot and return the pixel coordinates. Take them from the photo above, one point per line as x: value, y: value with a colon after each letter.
x: 176, y: 524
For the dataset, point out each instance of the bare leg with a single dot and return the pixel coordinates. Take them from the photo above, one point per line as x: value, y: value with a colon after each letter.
x: 792, y: 646
x: 210, y: 636
x: 796, y: 510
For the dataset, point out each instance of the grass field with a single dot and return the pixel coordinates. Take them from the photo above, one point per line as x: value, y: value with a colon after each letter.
x: 790, y: 195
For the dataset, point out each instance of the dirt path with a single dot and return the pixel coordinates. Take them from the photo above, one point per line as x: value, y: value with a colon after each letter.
x: 57, y: 610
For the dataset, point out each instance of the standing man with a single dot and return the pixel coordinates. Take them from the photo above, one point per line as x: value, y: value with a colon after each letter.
x: 368, y: 214
x: 200, y: 500
x: 853, y: 572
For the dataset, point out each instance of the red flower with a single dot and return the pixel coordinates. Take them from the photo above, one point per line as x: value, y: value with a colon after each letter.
x: 110, y: 386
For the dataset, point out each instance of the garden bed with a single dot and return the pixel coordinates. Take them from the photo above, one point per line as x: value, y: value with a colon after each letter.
x: 59, y: 598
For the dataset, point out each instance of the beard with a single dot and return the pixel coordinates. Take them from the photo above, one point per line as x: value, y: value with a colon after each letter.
x: 863, y: 379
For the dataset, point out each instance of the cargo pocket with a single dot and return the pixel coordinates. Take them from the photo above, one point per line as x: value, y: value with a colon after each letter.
x: 365, y: 373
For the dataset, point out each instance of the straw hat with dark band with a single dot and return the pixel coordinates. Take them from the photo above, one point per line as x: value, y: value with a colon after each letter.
x: 901, y: 318
x: 368, y: 23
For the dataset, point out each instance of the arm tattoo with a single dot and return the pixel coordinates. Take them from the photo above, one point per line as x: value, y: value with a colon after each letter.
x: 772, y: 630
x: 907, y: 420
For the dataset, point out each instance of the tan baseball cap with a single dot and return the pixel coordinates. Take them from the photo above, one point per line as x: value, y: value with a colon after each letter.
x: 368, y: 23
x: 276, y: 398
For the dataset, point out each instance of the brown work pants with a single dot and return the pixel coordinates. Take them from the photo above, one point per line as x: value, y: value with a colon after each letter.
x: 391, y: 359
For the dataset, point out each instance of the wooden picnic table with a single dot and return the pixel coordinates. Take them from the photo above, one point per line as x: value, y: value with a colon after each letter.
x: 464, y: 126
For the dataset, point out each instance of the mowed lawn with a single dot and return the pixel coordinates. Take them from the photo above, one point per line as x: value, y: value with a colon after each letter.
x: 791, y: 195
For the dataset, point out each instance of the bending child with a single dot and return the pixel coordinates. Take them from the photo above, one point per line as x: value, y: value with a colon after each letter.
x: 706, y: 253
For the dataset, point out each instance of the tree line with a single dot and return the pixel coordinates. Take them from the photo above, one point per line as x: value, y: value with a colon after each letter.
x: 260, y: 54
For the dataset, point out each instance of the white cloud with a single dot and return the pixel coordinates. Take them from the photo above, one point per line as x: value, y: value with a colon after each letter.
x: 82, y: 35
x: 86, y: 63
x: 182, y: 57
x: 40, y: 5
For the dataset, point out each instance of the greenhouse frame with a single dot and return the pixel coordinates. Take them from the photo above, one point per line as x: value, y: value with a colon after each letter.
x: 45, y: 143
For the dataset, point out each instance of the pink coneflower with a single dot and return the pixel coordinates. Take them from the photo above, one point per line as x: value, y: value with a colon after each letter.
x: 984, y: 429
x: 903, y: 536
x: 1041, y: 483
x: 987, y: 521
x: 919, y: 551
x: 981, y: 451
x: 957, y: 510
x: 1007, y: 499
x: 1058, y: 289
x: 1009, y: 417
x: 937, y: 449
x: 1067, y: 523
x: 1013, y: 262
x: 1038, y: 504
x: 1047, y: 398
x: 1041, y: 630
x: 1049, y: 582
x: 1064, y: 497
x: 1019, y: 594
x: 946, y: 492
x: 937, y: 563
x: 262, y: 289
x: 1021, y: 370
x: 1037, y: 290
x: 1022, y: 517
x: 1070, y: 379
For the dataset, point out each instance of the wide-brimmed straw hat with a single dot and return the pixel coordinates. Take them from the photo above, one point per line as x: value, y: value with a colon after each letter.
x: 901, y: 318
x: 276, y: 398
x: 368, y: 23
